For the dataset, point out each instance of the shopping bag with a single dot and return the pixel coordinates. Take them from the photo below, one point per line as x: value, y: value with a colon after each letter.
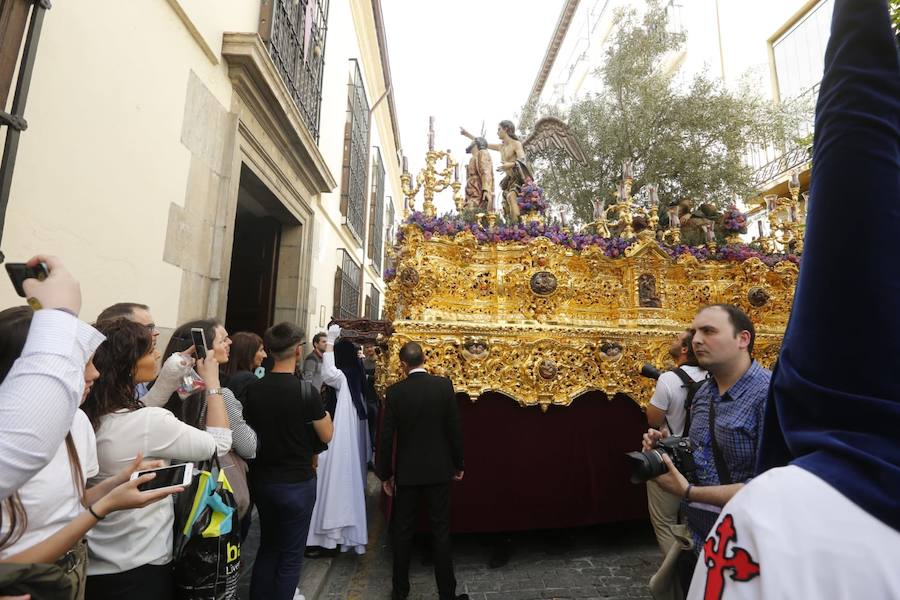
x: 207, y: 553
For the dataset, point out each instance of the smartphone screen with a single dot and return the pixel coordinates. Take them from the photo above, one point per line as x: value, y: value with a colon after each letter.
x: 165, y: 477
x: 199, y: 342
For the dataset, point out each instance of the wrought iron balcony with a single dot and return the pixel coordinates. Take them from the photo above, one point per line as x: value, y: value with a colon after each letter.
x: 294, y: 33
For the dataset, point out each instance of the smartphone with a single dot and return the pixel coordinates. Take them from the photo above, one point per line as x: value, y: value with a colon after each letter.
x: 19, y: 272
x: 199, y: 342
x: 167, y: 476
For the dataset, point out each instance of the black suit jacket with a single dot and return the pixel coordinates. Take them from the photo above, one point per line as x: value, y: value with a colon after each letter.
x: 422, y: 411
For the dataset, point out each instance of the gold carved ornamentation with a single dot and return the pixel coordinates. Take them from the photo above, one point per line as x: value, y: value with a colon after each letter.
x: 543, y: 323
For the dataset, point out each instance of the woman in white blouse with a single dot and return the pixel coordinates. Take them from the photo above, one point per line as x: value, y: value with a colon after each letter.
x: 131, y: 551
x: 46, y: 519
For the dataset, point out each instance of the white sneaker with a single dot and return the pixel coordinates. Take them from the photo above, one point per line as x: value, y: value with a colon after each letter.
x: 298, y: 595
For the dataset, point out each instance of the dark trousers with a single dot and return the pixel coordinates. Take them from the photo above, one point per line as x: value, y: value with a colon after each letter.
x: 284, y: 510
x: 147, y: 582
x: 372, y: 412
x: 406, y: 505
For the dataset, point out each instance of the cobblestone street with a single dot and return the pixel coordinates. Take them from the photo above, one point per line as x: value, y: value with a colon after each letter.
x: 604, y: 561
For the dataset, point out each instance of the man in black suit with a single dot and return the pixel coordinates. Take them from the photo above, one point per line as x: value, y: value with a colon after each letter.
x: 422, y: 411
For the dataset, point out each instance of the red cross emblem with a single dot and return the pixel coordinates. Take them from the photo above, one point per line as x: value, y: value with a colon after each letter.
x: 715, y: 556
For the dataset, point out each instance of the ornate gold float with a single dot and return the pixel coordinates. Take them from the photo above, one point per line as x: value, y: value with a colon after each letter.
x: 543, y: 322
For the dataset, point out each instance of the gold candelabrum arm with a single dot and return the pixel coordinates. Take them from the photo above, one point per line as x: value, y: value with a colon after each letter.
x: 409, y: 192
x: 785, y: 234
x: 430, y: 181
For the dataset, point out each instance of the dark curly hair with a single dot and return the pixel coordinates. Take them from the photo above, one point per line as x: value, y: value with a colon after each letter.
x: 116, y: 358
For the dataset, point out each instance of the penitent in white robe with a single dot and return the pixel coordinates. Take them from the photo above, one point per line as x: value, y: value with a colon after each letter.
x: 339, y: 515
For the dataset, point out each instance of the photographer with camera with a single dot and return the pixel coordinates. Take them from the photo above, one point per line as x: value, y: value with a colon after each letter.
x: 823, y: 520
x: 726, y: 420
x: 670, y: 408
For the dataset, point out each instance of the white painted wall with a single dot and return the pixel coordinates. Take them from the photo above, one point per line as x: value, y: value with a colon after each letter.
x: 102, y: 157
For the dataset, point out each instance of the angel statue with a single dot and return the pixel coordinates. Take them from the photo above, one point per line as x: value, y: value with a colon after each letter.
x: 548, y: 132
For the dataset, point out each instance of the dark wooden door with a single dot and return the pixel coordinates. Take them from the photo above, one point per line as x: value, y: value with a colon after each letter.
x: 254, y: 270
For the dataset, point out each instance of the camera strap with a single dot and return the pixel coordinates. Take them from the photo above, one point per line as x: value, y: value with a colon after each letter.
x: 721, y: 465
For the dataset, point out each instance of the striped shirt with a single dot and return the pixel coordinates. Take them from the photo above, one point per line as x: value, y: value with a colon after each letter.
x: 41, y: 393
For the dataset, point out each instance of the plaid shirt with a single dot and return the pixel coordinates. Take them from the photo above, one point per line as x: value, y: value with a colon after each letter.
x: 739, y: 424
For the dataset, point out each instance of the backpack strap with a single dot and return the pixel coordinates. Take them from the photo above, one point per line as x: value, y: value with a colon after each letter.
x: 691, y: 386
x: 686, y: 379
x: 721, y: 465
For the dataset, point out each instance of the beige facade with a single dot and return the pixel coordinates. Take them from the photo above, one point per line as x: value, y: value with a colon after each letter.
x: 168, y: 161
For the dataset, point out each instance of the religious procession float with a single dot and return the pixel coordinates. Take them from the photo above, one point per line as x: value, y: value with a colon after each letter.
x: 544, y: 327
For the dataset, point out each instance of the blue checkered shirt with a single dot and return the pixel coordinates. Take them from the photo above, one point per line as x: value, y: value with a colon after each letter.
x: 739, y: 424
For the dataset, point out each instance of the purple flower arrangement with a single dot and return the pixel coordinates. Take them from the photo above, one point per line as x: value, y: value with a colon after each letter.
x: 734, y: 221
x: 450, y: 226
x: 531, y: 197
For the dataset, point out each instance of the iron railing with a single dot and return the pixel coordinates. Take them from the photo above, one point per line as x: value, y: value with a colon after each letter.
x: 294, y: 33
x: 346, y: 288
x: 376, y: 211
x: 356, y: 155
x: 373, y: 306
x: 18, y: 19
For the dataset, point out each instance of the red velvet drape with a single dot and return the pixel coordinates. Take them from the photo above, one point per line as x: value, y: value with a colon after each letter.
x: 564, y: 468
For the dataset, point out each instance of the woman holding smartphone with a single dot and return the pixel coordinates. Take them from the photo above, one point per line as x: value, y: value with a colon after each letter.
x: 130, y: 552
x: 46, y: 520
x: 218, y: 352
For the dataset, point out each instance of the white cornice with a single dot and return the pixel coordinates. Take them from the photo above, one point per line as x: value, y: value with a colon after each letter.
x: 559, y: 35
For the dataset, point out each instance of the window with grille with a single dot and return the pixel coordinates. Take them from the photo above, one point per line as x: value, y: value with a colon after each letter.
x: 389, y: 225
x: 294, y: 33
x: 346, y: 288
x: 356, y: 155
x: 373, y: 303
x: 376, y: 211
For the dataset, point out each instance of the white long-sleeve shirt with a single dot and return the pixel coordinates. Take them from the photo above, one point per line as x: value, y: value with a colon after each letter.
x: 128, y: 539
x: 174, y: 369
x: 40, y: 394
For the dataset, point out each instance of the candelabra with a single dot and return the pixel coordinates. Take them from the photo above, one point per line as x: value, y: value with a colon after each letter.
x: 673, y: 234
x: 784, y: 232
x: 431, y: 180
x: 623, y: 207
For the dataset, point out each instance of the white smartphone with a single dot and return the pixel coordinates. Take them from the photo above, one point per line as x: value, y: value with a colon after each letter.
x: 180, y: 474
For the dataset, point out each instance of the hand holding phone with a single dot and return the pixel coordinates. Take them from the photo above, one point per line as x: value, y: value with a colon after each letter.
x: 199, y: 340
x: 173, y: 475
x: 46, y: 283
x: 129, y: 494
x: 19, y: 272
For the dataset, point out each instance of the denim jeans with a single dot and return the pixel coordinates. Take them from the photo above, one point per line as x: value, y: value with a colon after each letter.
x: 285, y: 510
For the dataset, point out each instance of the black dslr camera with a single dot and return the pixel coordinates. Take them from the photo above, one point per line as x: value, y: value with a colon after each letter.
x: 650, y: 372
x: 648, y: 465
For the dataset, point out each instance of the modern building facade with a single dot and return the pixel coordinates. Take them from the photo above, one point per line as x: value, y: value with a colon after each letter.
x: 779, y: 43
x: 236, y: 159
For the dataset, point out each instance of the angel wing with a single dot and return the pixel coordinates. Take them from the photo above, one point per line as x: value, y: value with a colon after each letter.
x: 550, y: 132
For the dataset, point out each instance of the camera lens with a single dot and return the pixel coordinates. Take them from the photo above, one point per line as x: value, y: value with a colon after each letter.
x: 646, y: 465
x: 650, y: 372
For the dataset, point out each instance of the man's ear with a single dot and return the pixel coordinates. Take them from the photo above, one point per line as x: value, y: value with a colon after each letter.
x: 744, y: 339
x: 298, y: 351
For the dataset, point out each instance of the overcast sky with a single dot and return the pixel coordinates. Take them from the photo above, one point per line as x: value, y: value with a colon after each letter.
x: 464, y: 62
